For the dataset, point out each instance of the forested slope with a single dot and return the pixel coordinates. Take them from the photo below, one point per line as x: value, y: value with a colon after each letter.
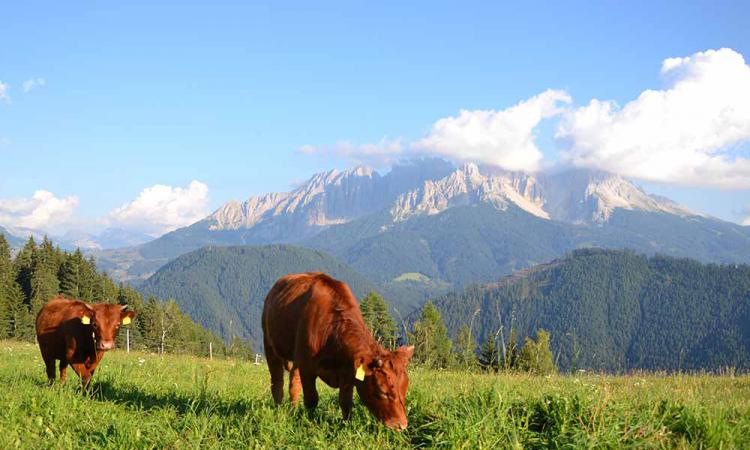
x: 223, y: 288
x: 617, y: 310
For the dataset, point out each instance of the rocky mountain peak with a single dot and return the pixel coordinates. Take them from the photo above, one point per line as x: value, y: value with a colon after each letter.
x: 578, y: 196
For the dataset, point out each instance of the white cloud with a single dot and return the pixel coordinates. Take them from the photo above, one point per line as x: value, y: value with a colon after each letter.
x: 33, y: 83
x: 43, y: 211
x: 502, y: 138
x: 159, y: 209
x: 747, y: 216
x: 4, y: 87
x: 690, y: 133
x: 380, y: 154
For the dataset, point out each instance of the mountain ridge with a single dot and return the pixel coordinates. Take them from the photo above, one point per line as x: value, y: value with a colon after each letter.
x: 334, y: 199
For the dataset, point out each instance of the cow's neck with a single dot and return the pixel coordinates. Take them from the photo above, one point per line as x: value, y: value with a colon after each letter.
x: 355, y: 339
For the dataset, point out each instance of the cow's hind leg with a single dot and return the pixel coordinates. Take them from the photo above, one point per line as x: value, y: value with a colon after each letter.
x: 295, y: 384
x: 276, y: 368
x: 63, y: 367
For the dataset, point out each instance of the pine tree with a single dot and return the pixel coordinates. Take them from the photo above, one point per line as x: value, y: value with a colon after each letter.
x: 430, y: 339
x: 70, y: 276
x: 150, y: 321
x: 20, y: 321
x: 93, y: 285
x: 466, y: 348
x: 6, y: 278
x: 489, y: 355
x: 24, y: 266
x: 44, y: 282
x: 510, y: 355
x: 378, y: 321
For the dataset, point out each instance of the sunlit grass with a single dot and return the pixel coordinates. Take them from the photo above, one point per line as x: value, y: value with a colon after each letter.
x: 147, y: 401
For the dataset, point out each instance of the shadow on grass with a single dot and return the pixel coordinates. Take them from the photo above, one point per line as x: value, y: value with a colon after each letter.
x: 135, y: 398
x: 201, y: 403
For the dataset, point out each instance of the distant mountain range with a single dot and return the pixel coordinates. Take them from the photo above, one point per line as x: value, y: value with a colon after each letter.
x: 109, y: 238
x: 13, y: 240
x: 449, y: 225
x: 616, y: 310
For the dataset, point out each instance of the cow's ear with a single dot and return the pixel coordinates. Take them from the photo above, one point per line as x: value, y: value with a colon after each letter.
x: 360, y: 367
x: 86, y: 314
x: 404, y: 353
x: 125, y: 311
x: 126, y: 315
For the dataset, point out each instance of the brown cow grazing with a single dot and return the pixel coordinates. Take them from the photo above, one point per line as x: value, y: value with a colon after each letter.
x: 77, y: 334
x: 312, y: 326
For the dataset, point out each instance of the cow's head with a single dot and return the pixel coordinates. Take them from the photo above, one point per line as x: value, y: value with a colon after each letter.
x: 105, y: 320
x: 381, y: 382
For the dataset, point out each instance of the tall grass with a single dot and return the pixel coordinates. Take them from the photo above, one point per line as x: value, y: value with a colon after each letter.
x: 148, y: 401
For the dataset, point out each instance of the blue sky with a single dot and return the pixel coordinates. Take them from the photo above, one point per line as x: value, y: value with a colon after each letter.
x: 134, y: 94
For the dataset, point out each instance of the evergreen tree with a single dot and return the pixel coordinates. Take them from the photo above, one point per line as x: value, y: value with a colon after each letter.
x: 466, y: 348
x: 6, y: 278
x: 24, y: 266
x: 536, y: 356
x: 510, y: 355
x: 430, y: 339
x: 378, y: 321
x: 489, y: 355
x: 150, y: 324
x: 44, y: 282
x: 70, y: 276
x: 21, y: 321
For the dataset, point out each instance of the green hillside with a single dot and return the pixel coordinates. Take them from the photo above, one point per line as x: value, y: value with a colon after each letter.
x: 223, y: 288
x: 477, y: 244
x: 618, y: 310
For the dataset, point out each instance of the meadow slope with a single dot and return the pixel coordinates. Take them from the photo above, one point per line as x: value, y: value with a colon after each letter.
x: 148, y: 401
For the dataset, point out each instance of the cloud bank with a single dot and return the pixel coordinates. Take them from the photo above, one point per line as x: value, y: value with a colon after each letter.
x: 42, y: 211
x: 687, y: 134
x: 502, y: 138
x: 160, y: 209
x: 693, y: 132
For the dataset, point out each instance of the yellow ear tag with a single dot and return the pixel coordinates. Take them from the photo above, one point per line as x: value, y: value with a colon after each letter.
x: 360, y: 375
x: 126, y: 320
x: 85, y: 320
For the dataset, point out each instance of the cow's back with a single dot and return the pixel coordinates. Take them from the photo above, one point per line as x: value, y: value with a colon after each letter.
x: 299, y: 310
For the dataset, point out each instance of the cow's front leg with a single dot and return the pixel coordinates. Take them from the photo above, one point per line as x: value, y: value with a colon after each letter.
x: 84, y: 373
x: 309, y: 390
x: 346, y: 393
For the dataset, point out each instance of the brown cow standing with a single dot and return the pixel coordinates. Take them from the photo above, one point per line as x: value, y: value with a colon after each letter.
x: 77, y: 334
x: 312, y: 326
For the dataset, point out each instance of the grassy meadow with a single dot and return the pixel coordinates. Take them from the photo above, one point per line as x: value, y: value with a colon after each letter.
x: 148, y: 401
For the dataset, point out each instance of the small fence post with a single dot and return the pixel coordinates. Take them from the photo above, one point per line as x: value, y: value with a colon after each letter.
x: 127, y: 339
x: 210, y: 350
